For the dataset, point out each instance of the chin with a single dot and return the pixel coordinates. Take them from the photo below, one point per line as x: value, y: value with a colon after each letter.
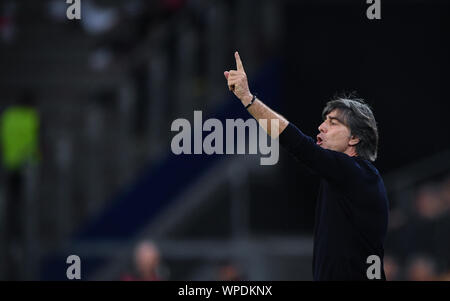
x: 327, y: 147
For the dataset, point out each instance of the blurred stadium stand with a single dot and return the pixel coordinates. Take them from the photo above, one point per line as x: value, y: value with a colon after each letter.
x: 107, y: 95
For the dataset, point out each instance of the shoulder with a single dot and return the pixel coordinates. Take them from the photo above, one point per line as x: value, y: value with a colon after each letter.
x: 367, y: 172
x: 366, y: 164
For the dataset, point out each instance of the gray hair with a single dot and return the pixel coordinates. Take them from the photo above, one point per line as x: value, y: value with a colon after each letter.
x: 358, y: 116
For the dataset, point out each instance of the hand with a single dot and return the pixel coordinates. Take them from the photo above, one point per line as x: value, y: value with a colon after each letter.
x: 237, y: 81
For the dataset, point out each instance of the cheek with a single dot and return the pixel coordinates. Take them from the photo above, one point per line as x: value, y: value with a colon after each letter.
x: 345, y: 139
x: 339, y: 138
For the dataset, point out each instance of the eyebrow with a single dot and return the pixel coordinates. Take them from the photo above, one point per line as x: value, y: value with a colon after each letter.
x: 335, y: 118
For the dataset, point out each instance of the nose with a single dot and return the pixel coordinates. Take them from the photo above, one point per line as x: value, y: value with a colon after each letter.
x: 322, y: 127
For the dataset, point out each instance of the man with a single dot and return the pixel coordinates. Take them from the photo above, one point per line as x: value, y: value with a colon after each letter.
x: 352, y: 208
x: 146, y: 263
x: 19, y: 147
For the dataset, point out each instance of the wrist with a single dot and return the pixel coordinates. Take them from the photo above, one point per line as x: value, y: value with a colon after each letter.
x: 247, y: 99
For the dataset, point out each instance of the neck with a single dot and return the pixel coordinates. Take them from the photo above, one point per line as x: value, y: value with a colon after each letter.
x: 351, y: 151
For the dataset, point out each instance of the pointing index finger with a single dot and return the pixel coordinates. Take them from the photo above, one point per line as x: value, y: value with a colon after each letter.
x: 239, y: 65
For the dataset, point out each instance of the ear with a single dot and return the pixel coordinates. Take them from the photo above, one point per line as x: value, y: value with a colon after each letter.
x: 353, y: 141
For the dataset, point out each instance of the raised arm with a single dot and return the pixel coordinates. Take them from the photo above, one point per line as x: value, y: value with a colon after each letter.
x: 327, y: 163
x: 237, y: 82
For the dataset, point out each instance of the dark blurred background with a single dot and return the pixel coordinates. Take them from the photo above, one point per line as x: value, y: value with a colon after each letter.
x: 86, y: 108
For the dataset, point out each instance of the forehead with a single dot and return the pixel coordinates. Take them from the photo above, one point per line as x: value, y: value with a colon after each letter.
x: 338, y: 115
x: 335, y: 114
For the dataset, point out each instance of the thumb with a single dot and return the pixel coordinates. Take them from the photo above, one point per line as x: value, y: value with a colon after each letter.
x: 226, y: 73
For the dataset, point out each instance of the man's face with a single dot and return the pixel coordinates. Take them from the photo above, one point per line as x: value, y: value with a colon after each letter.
x: 334, y: 134
x: 146, y: 258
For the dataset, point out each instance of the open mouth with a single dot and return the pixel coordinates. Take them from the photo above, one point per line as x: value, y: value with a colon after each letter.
x: 319, y: 140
